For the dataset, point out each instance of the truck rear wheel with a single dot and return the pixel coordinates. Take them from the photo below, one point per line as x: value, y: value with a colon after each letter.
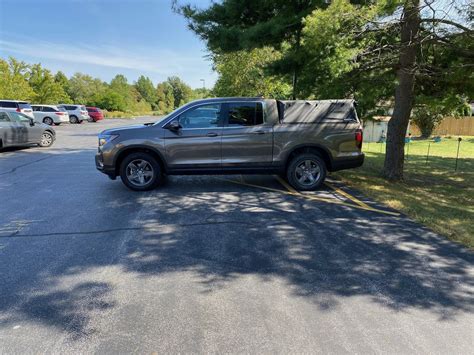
x: 140, y: 172
x: 306, y: 172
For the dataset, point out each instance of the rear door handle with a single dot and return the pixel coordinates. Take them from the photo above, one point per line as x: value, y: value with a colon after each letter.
x: 259, y: 132
x: 212, y: 134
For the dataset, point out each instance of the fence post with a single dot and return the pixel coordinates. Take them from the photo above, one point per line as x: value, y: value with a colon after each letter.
x: 457, y: 155
x: 428, y: 153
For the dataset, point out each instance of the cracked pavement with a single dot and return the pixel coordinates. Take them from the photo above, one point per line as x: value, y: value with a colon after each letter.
x: 206, y: 265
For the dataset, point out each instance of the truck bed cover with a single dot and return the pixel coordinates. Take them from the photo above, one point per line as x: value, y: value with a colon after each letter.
x: 311, y: 111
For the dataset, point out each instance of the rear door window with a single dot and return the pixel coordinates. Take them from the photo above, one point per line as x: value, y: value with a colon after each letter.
x: 48, y: 109
x: 8, y: 104
x: 245, y: 114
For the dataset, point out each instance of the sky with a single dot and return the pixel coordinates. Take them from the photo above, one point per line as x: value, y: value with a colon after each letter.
x: 103, y: 38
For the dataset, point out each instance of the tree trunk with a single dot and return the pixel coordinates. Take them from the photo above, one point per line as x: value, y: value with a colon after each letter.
x: 404, y: 93
x: 295, y: 82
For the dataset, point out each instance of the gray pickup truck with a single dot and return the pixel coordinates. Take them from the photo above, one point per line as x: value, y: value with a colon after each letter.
x: 300, y: 140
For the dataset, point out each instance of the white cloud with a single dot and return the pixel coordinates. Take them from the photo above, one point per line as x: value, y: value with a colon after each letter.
x: 148, y: 61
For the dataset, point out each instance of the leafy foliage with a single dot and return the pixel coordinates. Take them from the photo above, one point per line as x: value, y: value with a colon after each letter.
x: 46, y: 89
x: 13, y: 82
x: 244, y: 73
x: 236, y: 25
x: 22, y: 81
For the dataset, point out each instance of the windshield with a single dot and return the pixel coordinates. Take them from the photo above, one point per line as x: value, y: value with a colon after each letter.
x: 173, y: 112
x: 62, y: 109
x: 24, y: 105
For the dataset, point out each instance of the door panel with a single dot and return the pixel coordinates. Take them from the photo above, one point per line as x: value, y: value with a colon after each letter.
x: 9, y: 131
x: 22, y: 123
x: 247, y: 146
x: 197, y: 144
x: 34, y: 132
x: 247, y: 140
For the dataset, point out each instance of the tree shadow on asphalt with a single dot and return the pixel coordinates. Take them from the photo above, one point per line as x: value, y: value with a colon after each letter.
x: 220, y: 232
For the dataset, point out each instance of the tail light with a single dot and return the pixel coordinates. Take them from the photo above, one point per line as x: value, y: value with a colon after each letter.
x: 359, y: 138
x: 18, y: 110
x: 59, y: 113
x: 83, y: 112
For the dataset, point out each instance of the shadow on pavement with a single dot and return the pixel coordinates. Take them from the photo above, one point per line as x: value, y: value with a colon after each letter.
x: 220, y: 232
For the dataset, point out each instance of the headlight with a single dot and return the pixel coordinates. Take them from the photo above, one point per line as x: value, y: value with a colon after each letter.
x: 105, y: 138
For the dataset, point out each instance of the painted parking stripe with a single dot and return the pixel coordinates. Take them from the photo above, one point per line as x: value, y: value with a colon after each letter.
x: 308, y: 197
x: 362, y: 206
x: 346, y: 195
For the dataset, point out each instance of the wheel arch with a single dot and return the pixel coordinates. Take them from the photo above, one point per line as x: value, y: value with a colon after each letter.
x: 138, y: 149
x: 323, y: 152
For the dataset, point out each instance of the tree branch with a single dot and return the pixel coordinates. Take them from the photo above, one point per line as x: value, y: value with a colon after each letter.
x: 448, y: 22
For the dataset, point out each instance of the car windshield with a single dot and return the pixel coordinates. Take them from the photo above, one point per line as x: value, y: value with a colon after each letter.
x: 24, y: 105
x: 62, y: 109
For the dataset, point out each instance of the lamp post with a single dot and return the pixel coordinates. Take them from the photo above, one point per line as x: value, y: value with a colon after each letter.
x: 203, y: 83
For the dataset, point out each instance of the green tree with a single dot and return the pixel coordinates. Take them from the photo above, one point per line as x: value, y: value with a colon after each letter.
x: 145, y: 87
x: 182, y: 93
x: 234, y: 25
x: 244, y: 73
x: 46, y: 89
x: 368, y: 52
x: 165, y: 98
x: 83, y: 88
x: 201, y: 93
x: 13, y: 83
x: 62, y: 80
x: 109, y: 100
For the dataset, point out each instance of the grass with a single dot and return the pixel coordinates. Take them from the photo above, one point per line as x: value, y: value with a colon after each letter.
x: 433, y: 193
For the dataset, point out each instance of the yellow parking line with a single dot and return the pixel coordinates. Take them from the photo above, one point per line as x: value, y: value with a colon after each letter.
x: 346, y: 195
x: 285, y: 184
x: 293, y: 192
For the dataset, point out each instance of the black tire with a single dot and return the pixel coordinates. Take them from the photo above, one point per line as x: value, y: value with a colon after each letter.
x: 152, y: 166
x: 57, y: 124
x: 300, y: 174
x: 73, y: 119
x: 47, y: 139
x: 48, y: 120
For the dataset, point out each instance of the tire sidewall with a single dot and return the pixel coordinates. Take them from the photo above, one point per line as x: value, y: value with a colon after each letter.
x: 48, y: 120
x: 291, y: 171
x: 73, y: 119
x: 153, y: 162
x: 48, y: 145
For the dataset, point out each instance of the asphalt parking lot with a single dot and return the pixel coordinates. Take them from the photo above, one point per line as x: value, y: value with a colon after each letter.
x: 215, y: 264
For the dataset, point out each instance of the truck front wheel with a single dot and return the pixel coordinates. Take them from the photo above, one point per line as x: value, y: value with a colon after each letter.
x: 140, y: 171
x: 306, y: 172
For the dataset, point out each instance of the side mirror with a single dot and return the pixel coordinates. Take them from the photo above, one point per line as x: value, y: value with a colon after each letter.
x: 174, y: 126
x: 32, y: 122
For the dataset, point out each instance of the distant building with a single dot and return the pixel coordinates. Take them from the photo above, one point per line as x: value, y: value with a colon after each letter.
x: 375, y: 130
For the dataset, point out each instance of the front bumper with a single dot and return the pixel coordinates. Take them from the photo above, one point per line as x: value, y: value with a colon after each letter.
x: 107, y: 170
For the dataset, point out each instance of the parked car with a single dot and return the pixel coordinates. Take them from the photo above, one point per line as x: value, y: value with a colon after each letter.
x: 301, y: 140
x: 50, y: 114
x: 95, y: 114
x: 77, y: 113
x: 18, y: 106
x: 17, y: 129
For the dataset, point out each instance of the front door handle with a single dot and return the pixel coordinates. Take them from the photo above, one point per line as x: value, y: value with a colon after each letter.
x: 212, y: 134
x: 259, y: 132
